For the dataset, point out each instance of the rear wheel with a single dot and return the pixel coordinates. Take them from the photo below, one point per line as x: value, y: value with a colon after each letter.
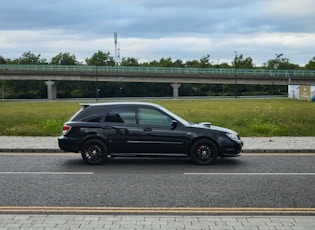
x: 94, y: 152
x: 204, y: 152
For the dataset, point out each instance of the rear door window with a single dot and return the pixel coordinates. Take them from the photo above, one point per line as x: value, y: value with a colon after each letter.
x: 124, y: 115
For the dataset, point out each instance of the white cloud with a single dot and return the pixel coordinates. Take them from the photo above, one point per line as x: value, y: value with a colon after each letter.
x: 150, y: 30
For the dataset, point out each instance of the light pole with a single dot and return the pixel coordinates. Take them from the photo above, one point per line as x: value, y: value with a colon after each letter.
x: 115, y: 41
x: 235, y: 85
x: 97, y: 89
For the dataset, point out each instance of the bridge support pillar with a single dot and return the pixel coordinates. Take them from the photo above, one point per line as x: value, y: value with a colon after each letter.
x: 175, y: 87
x: 51, y: 90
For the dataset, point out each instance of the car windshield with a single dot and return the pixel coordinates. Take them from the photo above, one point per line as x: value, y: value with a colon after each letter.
x: 178, y: 118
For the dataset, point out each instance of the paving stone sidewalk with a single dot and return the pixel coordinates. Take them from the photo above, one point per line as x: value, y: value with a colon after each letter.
x: 128, y: 222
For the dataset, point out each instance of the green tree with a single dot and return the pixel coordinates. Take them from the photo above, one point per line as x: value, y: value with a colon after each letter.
x: 224, y: 65
x: 100, y: 59
x: 310, y: 65
x: 178, y: 63
x: 192, y: 64
x: 154, y: 64
x: 129, y: 62
x: 166, y: 62
x: 30, y: 58
x: 279, y: 62
x: 64, y: 59
x: 242, y: 63
x: 205, y: 62
x: 2, y: 60
x: 25, y: 89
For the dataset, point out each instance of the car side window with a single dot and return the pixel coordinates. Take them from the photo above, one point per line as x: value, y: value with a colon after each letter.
x: 93, y: 119
x: 90, y: 114
x: 121, y: 115
x: 153, y: 117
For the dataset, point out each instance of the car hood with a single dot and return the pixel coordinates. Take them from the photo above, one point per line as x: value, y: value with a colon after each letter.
x: 207, y: 125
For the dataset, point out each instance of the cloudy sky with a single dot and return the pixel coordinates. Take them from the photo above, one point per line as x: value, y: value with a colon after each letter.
x: 153, y: 29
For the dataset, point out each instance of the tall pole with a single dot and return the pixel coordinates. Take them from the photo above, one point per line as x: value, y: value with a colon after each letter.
x: 115, y: 40
x: 235, y: 86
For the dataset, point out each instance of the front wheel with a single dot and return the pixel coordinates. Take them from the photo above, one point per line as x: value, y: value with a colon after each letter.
x: 94, y: 152
x: 204, y: 152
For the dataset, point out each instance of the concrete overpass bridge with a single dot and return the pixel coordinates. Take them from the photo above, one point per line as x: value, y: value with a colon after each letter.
x: 175, y: 76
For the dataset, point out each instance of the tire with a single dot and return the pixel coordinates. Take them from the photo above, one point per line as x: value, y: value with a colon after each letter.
x: 204, y: 152
x: 94, y: 152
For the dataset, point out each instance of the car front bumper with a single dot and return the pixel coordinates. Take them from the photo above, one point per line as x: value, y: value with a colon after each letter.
x: 232, y: 150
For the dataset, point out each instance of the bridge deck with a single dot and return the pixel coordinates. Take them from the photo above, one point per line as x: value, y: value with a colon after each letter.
x: 157, y: 74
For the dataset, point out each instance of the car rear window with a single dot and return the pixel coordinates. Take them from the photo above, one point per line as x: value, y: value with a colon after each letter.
x: 90, y: 114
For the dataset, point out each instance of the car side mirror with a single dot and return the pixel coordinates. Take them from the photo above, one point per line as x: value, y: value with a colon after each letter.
x: 174, y: 124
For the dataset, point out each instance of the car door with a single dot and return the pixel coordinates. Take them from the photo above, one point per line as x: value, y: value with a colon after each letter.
x: 121, y: 129
x: 159, y: 132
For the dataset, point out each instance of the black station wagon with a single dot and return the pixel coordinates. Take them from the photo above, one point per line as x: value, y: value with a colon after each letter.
x: 119, y: 129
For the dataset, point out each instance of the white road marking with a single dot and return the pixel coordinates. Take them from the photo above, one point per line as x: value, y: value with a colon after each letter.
x: 254, y: 174
x: 48, y: 173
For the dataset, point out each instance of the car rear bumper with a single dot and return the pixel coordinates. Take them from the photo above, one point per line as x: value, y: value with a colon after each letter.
x: 69, y: 145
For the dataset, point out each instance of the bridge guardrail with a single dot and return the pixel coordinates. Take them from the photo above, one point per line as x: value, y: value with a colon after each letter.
x: 159, y: 70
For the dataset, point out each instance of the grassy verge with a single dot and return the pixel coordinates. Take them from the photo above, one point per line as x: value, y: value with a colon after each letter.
x: 249, y: 117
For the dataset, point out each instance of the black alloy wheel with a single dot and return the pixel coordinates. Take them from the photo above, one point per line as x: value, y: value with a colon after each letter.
x: 94, y: 152
x: 204, y: 152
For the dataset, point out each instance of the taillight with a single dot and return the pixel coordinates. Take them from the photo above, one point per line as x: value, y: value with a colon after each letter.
x: 66, y: 129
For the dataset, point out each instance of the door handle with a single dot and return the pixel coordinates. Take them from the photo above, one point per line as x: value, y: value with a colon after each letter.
x: 147, y: 129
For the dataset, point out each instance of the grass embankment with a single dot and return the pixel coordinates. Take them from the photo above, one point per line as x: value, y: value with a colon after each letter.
x: 249, y: 117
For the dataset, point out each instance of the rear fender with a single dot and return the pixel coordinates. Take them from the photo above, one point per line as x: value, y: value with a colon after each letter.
x: 94, y: 136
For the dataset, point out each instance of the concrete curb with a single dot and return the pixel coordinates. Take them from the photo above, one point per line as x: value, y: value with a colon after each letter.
x: 278, y: 151
x: 31, y: 151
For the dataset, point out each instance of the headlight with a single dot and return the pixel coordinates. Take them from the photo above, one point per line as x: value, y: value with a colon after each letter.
x: 234, y: 137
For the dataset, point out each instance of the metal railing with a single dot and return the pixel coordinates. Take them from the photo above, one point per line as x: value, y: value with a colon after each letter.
x: 158, y: 70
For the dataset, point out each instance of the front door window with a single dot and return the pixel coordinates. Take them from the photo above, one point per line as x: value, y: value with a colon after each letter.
x: 153, y: 117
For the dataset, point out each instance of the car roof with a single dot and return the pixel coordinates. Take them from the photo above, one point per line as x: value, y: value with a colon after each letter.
x: 119, y: 103
x: 114, y: 104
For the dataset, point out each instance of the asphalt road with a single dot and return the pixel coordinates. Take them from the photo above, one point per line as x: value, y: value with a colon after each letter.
x: 252, y: 181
